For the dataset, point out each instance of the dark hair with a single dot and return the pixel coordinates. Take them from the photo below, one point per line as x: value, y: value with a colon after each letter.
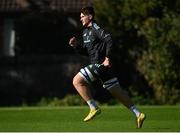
x: 88, y: 11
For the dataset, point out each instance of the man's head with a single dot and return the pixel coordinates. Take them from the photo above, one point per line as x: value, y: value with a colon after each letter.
x: 87, y: 16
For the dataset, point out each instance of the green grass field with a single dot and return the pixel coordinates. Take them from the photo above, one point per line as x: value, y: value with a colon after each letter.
x: 70, y: 119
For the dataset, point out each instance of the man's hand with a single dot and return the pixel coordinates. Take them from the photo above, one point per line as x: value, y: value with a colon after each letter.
x: 73, y: 42
x: 107, y: 62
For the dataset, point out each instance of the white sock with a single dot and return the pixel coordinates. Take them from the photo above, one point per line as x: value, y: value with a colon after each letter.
x: 92, y: 104
x: 135, y: 110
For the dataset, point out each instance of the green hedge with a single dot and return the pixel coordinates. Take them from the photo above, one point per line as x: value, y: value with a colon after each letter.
x: 147, y: 37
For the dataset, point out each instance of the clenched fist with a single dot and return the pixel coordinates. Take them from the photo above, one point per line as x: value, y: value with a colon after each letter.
x: 73, y: 42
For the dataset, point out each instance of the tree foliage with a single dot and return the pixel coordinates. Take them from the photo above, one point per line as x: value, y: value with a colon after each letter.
x: 146, y: 34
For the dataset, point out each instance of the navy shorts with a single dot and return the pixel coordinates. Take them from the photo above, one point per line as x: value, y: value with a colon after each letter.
x: 95, y: 72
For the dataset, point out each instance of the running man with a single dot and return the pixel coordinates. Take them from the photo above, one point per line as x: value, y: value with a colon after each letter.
x: 97, y: 45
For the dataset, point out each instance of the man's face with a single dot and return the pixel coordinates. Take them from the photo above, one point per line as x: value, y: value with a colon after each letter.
x: 85, y: 19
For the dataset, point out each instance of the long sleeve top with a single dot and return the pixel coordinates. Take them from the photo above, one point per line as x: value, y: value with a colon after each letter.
x: 97, y: 44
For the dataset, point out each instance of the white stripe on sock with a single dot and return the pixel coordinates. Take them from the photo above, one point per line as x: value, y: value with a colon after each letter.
x: 135, y: 110
x: 92, y: 104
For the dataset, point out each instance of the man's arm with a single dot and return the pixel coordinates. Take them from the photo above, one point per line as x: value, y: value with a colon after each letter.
x: 105, y: 37
x: 107, y: 62
x: 73, y: 43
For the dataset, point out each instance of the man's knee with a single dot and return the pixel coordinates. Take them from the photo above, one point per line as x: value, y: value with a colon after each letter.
x: 78, y: 81
x: 75, y: 82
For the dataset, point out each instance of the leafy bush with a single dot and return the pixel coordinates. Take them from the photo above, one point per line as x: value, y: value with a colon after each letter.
x: 69, y: 100
x: 147, y: 37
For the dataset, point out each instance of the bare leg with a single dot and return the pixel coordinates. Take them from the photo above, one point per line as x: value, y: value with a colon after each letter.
x: 82, y: 87
x: 121, y: 95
